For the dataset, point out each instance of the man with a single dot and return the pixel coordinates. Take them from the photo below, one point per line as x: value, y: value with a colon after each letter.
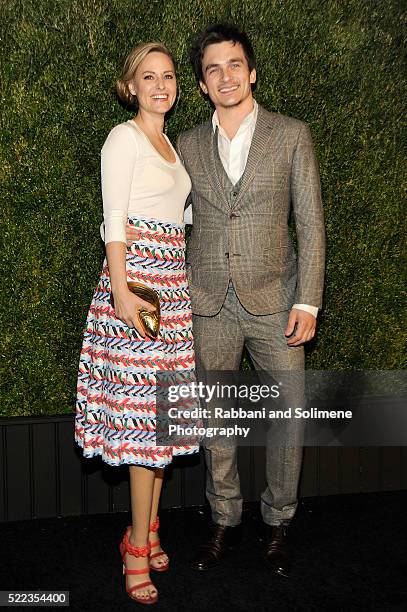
x: 248, y: 167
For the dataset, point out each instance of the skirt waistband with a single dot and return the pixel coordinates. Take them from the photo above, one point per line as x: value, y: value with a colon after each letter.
x: 155, y: 225
x: 149, y: 232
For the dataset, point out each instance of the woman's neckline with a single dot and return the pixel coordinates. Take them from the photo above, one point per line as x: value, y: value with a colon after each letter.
x: 132, y: 121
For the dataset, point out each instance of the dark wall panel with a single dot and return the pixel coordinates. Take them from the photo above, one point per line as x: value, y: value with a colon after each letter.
x: 403, y: 467
x: 71, y: 481
x: 19, y: 476
x: 328, y: 482
x: 349, y: 470
x: 244, y: 462
x: 172, y: 487
x: 193, y: 478
x: 310, y: 472
x: 370, y: 476
x: 3, y: 474
x: 44, y: 467
x: 97, y: 488
x: 390, y: 468
x: 119, y: 483
x: 44, y: 474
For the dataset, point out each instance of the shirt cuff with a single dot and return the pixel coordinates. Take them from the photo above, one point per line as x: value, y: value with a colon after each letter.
x: 115, y: 228
x: 188, y: 215
x: 311, y: 309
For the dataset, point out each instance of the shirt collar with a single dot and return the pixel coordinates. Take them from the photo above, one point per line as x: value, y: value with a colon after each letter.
x: 249, y: 120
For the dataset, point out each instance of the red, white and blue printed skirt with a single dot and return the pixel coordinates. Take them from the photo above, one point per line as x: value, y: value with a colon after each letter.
x: 116, y: 394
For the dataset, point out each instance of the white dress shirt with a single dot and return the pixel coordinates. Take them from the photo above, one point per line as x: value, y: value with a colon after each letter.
x: 234, y: 153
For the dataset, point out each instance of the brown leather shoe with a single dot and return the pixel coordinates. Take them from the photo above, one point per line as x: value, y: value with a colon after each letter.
x: 276, y: 551
x: 210, y: 552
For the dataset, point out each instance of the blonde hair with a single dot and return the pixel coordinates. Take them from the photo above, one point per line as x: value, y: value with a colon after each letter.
x: 133, y: 61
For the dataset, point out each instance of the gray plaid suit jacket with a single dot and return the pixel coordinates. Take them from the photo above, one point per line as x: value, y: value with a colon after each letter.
x: 243, y: 235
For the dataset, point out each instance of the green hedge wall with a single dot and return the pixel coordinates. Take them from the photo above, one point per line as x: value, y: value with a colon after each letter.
x: 336, y: 64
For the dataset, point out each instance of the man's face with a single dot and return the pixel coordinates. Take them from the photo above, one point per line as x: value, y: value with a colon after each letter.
x: 227, y: 78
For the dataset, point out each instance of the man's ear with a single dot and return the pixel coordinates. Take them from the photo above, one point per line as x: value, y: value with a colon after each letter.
x: 203, y: 87
x: 253, y: 76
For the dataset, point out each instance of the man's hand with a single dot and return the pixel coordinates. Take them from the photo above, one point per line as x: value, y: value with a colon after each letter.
x: 304, y: 325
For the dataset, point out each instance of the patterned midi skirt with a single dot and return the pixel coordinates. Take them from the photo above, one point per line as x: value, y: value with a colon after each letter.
x: 116, y: 393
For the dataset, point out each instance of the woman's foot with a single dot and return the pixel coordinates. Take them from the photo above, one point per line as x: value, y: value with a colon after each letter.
x: 158, y: 558
x: 136, y: 567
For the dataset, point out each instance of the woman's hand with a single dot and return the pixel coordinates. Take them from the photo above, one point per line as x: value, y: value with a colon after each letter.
x: 125, y: 303
x: 126, y: 307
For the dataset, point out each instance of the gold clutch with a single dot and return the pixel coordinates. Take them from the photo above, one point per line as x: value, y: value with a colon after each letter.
x: 150, y: 321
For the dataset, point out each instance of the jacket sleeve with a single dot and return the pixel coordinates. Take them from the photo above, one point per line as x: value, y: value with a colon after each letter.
x: 309, y: 221
x: 188, y: 220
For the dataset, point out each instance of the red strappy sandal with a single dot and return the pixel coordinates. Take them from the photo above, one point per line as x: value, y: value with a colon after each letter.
x: 136, y: 551
x: 162, y: 568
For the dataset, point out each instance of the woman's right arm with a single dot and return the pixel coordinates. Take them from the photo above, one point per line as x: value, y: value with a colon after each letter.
x: 119, y: 154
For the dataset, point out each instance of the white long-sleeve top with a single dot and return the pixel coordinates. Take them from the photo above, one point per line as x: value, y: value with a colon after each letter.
x: 137, y: 180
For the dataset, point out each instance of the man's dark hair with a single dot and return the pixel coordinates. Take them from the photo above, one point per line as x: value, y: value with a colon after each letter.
x: 217, y: 33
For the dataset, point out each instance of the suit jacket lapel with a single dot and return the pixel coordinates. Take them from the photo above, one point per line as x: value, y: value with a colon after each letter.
x: 207, y: 153
x: 261, y: 138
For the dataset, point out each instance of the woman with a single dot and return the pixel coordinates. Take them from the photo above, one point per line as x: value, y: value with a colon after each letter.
x: 144, y: 189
